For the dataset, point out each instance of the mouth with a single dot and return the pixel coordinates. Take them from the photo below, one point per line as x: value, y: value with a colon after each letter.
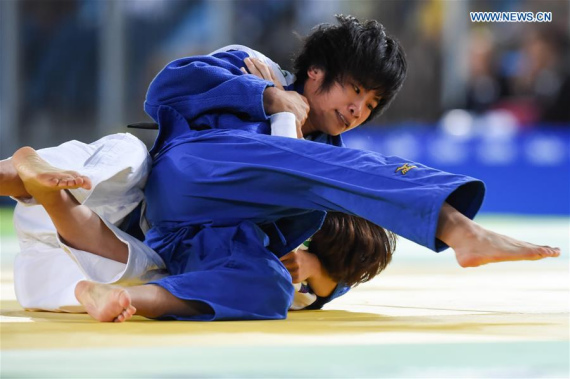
x: 341, y: 118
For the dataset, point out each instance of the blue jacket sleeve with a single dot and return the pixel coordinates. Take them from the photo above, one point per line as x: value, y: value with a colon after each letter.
x: 197, y: 85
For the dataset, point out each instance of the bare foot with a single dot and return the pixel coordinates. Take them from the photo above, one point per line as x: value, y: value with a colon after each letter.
x: 483, y: 246
x: 38, y: 175
x: 105, y: 302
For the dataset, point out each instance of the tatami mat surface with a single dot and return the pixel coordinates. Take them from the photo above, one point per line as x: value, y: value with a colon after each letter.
x: 423, y: 317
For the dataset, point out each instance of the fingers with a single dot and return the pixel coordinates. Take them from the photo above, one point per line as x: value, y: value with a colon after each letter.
x: 261, y: 70
x: 290, y: 260
x: 303, y: 115
x: 295, y: 277
x: 253, y: 69
x: 288, y: 255
x: 300, y: 131
x: 294, y: 271
x: 291, y: 263
x: 255, y: 65
x: 275, y: 78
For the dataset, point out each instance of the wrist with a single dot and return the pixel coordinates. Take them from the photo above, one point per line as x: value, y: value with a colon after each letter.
x: 271, y: 100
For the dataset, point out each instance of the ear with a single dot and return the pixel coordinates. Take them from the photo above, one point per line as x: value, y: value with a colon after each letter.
x: 315, y: 73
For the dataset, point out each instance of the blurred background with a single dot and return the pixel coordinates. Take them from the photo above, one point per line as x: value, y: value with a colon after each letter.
x: 491, y: 100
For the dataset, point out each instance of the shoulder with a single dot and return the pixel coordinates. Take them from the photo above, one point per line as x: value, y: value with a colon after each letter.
x: 249, y: 51
x: 285, y: 77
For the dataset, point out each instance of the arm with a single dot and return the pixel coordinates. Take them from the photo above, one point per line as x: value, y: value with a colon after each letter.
x: 201, y: 84
x: 197, y: 85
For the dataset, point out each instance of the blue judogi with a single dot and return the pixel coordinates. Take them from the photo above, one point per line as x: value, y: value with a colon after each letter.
x: 224, y: 205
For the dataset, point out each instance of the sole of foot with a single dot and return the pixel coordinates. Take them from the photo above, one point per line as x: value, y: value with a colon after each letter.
x: 37, y: 174
x: 105, y: 302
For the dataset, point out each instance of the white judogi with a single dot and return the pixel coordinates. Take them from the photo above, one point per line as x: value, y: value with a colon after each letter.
x: 46, y: 270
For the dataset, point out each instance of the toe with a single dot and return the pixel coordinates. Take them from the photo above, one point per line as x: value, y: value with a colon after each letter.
x: 131, y: 312
x: 554, y: 252
x: 126, y: 315
x: 86, y: 182
x: 124, y: 299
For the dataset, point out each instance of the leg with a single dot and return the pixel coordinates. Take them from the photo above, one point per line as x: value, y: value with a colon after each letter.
x: 46, y: 272
x: 78, y: 225
x: 475, y: 246
x: 112, y: 303
x: 45, y: 277
x: 10, y: 182
x: 262, y: 177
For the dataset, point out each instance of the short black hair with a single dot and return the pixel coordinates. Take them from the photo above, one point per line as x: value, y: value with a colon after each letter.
x: 360, y: 51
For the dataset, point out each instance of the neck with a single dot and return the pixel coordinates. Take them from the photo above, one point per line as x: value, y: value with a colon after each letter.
x: 308, y: 128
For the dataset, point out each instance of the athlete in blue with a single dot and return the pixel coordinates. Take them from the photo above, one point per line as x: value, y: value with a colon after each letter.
x: 224, y: 204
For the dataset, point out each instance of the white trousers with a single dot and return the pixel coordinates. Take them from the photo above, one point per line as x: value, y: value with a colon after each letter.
x: 46, y: 270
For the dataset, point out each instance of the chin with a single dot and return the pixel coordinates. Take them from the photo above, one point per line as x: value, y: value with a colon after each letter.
x: 326, y: 129
x: 334, y: 131
x: 329, y: 131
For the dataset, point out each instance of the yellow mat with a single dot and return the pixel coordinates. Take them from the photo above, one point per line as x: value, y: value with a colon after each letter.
x: 423, y: 317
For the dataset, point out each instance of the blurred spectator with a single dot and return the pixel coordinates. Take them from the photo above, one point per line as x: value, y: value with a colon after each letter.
x: 60, y: 63
x: 512, y: 66
x: 527, y: 76
x: 420, y: 97
x: 543, y: 74
x: 157, y: 32
x: 60, y: 54
x: 485, y: 86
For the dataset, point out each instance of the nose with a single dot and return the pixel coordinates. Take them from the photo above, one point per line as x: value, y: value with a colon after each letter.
x: 355, y: 108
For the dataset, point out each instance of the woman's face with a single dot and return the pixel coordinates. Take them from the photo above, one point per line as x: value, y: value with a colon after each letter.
x: 342, y: 108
